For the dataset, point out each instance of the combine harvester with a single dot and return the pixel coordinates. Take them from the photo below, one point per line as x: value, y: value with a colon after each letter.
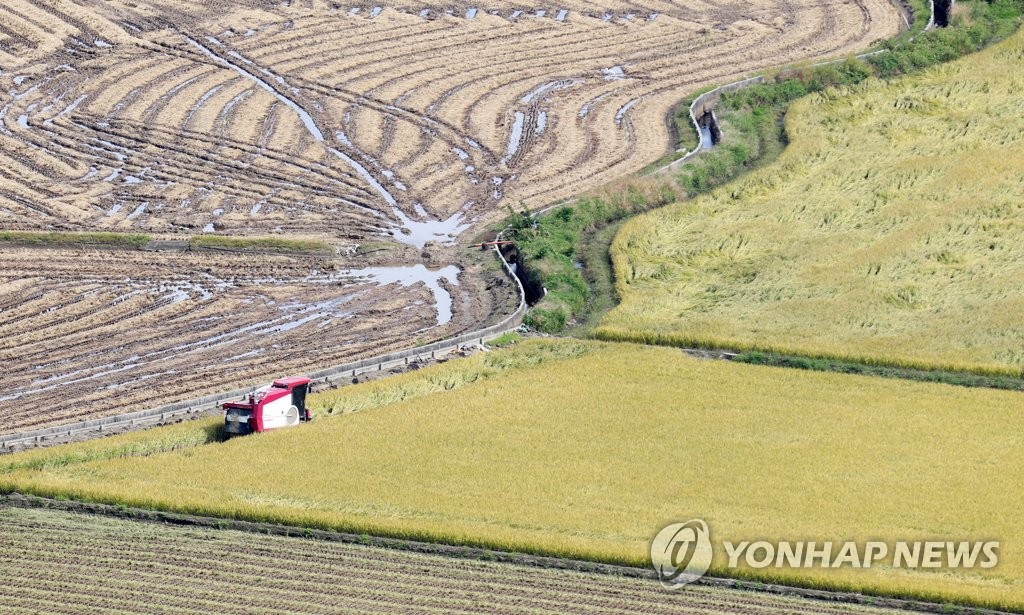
x: 279, y: 404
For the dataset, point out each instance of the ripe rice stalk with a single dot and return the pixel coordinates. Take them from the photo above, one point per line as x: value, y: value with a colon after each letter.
x: 891, y: 232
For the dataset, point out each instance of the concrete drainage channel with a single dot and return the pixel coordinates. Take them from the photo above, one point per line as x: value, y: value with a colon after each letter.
x: 329, y: 377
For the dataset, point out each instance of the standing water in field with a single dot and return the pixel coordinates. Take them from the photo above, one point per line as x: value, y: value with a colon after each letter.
x: 304, y: 115
x: 418, y: 233
x: 415, y: 274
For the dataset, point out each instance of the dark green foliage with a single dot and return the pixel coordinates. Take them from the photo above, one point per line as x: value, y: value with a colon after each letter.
x: 551, y: 245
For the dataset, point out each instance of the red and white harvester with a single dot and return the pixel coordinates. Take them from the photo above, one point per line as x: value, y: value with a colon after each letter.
x: 279, y: 404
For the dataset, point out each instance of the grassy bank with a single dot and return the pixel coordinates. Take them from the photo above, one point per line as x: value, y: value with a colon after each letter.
x: 59, y: 239
x: 551, y: 246
x: 258, y: 244
x: 555, y: 244
x: 558, y: 447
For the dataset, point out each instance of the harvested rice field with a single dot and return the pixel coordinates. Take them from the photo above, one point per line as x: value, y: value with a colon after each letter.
x: 361, y: 120
x: 63, y: 562
x: 110, y: 331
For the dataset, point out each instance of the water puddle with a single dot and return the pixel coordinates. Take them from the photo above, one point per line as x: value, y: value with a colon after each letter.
x: 202, y: 101
x: 590, y: 104
x: 416, y: 274
x: 615, y: 73
x: 418, y: 233
x: 516, y: 137
x: 74, y: 105
x: 552, y: 86
x: 343, y: 138
x: 366, y: 175
x: 137, y: 212
x: 621, y: 113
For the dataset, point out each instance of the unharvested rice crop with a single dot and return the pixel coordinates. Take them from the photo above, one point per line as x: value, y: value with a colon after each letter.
x: 587, y: 450
x: 890, y: 231
x: 361, y: 120
x: 61, y: 562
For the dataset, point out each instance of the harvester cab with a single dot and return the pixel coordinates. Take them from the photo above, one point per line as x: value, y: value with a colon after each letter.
x: 279, y: 404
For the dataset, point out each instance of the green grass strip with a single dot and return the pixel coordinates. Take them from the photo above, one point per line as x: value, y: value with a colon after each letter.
x: 258, y: 244
x: 40, y: 238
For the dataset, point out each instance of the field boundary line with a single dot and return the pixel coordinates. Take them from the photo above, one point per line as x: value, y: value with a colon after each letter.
x: 17, y: 500
x: 329, y: 377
